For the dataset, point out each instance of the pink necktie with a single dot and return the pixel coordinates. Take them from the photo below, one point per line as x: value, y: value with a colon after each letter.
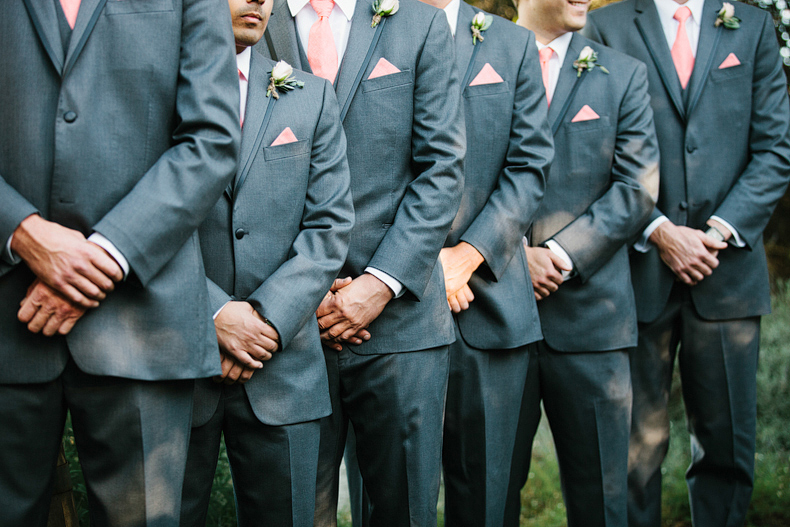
x: 241, y: 78
x: 321, y: 51
x: 681, y: 49
x: 545, y: 56
x: 70, y: 9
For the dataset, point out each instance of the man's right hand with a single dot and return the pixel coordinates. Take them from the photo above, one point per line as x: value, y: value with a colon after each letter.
x: 244, y: 337
x: 232, y: 371
x: 545, y: 270
x: 66, y: 261
x: 690, y: 253
x: 44, y: 310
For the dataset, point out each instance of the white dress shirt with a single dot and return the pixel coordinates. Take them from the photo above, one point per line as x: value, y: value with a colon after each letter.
x: 666, y: 13
x: 243, y: 65
x: 451, y: 10
x: 340, y: 22
x: 560, y: 47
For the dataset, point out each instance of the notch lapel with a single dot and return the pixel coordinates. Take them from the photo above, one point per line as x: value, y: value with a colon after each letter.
x: 281, y: 36
x: 649, y: 26
x: 708, y: 40
x: 89, y: 13
x: 463, y: 40
x: 361, y: 42
x: 45, y: 20
x: 255, y: 120
x: 566, y: 83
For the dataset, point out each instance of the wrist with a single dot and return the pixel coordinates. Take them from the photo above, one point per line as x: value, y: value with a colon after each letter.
x: 470, y: 255
x: 717, y: 231
x: 379, y: 287
x: 23, y: 234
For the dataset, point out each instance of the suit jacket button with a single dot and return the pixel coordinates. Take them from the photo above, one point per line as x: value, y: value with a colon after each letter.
x: 240, y: 233
x: 69, y: 117
x: 683, y: 205
x: 690, y: 148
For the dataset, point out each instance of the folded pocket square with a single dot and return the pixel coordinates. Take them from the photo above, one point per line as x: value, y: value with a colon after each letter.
x: 487, y: 75
x: 383, y: 67
x: 285, y: 137
x: 730, y: 61
x: 585, y: 114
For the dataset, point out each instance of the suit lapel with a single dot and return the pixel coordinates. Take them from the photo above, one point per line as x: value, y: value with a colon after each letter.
x: 708, y: 40
x: 45, y: 20
x: 566, y: 83
x: 463, y: 40
x: 281, y: 36
x: 361, y: 40
x: 255, y: 120
x: 89, y: 13
x: 649, y: 26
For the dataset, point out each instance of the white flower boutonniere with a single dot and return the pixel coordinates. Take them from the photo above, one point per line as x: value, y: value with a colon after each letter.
x: 588, y: 60
x: 480, y: 23
x: 382, y: 8
x: 280, y: 77
x: 727, y: 17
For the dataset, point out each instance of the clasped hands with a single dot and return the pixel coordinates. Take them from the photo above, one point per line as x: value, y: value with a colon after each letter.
x: 72, y: 275
x: 458, y: 263
x: 245, y: 340
x: 690, y: 253
x: 349, y: 308
x: 545, y: 270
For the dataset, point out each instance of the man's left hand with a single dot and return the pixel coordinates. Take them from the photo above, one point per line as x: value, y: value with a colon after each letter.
x: 458, y: 264
x: 343, y: 315
x: 45, y: 310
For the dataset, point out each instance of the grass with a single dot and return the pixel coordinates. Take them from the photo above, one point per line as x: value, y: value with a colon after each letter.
x: 541, y: 498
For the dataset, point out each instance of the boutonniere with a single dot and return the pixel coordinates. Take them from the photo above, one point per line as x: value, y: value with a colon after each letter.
x: 480, y: 23
x: 588, y: 60
x: 727, y: 17
x: 280, y: 77
x: 382, y: 8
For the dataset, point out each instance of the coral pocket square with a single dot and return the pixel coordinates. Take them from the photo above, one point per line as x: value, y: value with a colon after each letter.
x: 285, y: 137
x: 585, y: 114
x: 730, y: 61
x: 486, y: 76
x: 383, y: 67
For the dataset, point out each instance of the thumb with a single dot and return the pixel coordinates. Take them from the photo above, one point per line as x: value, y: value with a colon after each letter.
x: 340, y: 283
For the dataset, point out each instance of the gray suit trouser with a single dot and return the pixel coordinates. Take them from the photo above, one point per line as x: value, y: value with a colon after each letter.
x: 483, y: 405
x: 587, y: 399
x: 718, y: 368
x: 396, y: 404
x: 273, y: 467
x: 131, y: 438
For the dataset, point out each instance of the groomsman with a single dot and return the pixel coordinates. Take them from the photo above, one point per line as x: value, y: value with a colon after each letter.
x: 272, y: 246
x: 509, y: 148
x: 119, y: 132
x: 601, y: 189
x: 394, y: 75
x: 700, y: 277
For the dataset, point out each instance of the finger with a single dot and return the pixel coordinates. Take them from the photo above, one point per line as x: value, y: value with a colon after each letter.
x: 541, y: 291
x: 67, y: 325
x: 259, y: 353
x: 340, y: 283
x: 105, y: 263
x: 558, y: 262
x: 52, y: 325
x: 712, y: 243
x: 462, y: 302
x: 226, y: 364
x: 246, y: 375
x: 550, y: 286
x: 270, y: 333
x: 243, y: 358
x: 709, y: 260
x: 538, y: 296
x: 86, y: 285
x: 76, y: 297
x: 329, y: 320
x: 39, y: 320
x: 338, y: 329
x: 327, y: 305
x: 455, y: 307
x: 467, y: 292
x: 234, y: 374
x: 28, y: 310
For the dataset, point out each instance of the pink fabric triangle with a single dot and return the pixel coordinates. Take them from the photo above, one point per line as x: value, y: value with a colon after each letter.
x: 486, y: 76
x: 285, y: 137
x: 383, y: 67
x: 585, y: 114
x: 730, y: 61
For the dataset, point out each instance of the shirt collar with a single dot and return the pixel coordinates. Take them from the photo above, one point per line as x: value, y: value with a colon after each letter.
x: 243, y: 62
x: 346, y: 7
x: 666, y: 9
x: 560, y: 45
x: 451, y: 10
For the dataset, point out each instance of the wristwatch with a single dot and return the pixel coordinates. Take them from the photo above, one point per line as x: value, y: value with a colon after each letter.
x: 715, y: 233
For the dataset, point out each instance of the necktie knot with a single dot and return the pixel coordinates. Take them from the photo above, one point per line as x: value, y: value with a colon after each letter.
x: 682, y: 14
x: 545, y: 54
x: 323, y: 8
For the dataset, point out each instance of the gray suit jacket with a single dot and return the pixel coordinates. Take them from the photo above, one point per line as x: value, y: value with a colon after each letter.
x: 149, y: 144
x: 278, y: 238
x: 725, y: 148
x: 509, y: 148
x: 406, y: 146
x: 602, y: 187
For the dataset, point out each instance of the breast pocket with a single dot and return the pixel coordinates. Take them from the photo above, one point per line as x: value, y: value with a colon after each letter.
x: 395, y: 80
x: 272, y: 153
x: 486, y: 89
x: 124, y: 7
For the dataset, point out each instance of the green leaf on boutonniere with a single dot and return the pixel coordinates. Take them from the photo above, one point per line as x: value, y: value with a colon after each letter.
x: 281, y: 78
x: 727, y: 18
x: 480, y: 23
x: 588, y: 60
x: 382, y: 8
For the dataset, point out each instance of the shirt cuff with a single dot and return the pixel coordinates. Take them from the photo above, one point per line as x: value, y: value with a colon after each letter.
x: 8, y: 255
x: 736, y: 239
x: 214, y: 317
x: 397, y: 287
x: 555, y: 247
x: 108, y: 246
x: 643, y: 245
